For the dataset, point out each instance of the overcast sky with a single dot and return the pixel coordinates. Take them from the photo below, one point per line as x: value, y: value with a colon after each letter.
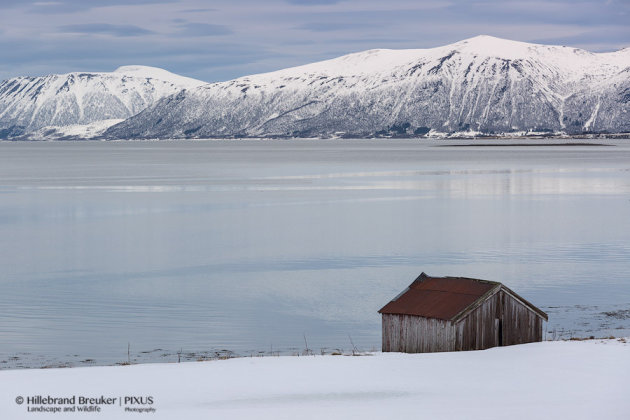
x: 220, y: 39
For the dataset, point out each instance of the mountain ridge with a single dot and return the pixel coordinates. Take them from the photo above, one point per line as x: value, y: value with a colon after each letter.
x: 40, y: 107
x: 482, y: 85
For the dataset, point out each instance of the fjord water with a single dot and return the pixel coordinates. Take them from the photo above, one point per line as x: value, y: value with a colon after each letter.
x: 256, y: 245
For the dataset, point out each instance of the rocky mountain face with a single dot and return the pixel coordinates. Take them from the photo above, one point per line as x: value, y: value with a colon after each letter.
x: 479, y: 86
x: 483, y: 85
x: 80, y: 105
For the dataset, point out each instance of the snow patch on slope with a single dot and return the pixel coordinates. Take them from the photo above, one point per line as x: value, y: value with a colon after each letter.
x: 158, y: 74
x: 73, y: 132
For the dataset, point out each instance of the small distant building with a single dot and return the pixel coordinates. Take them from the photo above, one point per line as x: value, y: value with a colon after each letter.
x: 457, y: 313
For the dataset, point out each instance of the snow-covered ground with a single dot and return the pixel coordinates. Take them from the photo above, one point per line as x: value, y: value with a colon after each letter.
x: 549, y: 380
x: 74, y: 131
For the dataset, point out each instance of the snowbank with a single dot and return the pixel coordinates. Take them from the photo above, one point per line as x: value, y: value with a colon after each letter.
x: 550, y: 380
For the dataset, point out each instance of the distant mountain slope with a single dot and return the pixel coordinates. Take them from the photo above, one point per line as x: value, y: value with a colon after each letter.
x: 29, y: 105
x: 483, y: 84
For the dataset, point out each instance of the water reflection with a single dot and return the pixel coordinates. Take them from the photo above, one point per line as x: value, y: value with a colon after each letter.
x: 247, y: 245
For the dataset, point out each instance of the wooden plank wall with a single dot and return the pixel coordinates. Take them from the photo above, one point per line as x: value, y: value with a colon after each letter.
x: 414, y: 334
x: 520, y: 325
x: 477, y: 331
x: 480, y: 329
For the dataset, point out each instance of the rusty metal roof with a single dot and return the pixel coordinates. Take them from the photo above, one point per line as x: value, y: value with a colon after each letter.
x: 439, y: 297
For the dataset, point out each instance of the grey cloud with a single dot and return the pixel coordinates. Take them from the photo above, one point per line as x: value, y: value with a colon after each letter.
x: 203, y: 60
x: 193, y: 29
x: 329, y: 26
x: 242, y: 40
x: 105, y: 29
x: 72, y: 6
x: 313, y: 2
x: 197, y: 10
x: 606, y: 35
x: 487, y: 13
x: 577, y: 12
x: 6, y: 4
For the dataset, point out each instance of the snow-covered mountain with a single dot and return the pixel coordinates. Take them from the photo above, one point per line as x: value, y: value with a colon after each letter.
x: 82, y: 104
x: 483, y: 84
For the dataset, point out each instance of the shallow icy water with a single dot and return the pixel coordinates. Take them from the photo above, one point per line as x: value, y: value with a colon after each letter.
x: 253, y: 245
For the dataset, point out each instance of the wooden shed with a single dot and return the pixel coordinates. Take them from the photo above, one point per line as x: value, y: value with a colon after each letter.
x: 458, y: 313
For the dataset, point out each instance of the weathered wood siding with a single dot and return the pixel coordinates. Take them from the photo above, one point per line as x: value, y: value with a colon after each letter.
x: 520, y: 324
x: 414, y: 334
x: 500, y: 320
x: 478, y: 330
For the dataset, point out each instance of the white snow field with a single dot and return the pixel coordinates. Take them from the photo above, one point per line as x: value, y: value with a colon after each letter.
x: 549, y: 380
x: 481, y: 85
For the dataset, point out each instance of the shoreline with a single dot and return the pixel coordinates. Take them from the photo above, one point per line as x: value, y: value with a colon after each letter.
x: 573, y: 322
x: 210, y: 356
x: 444, y: 137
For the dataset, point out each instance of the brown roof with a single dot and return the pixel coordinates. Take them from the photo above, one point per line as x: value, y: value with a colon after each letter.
x: 440, y: 297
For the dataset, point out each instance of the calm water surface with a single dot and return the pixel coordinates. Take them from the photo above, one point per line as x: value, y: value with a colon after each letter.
x: 252, y: 245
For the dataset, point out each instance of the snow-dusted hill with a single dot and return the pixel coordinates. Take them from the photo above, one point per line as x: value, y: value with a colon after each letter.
x: 88, y: 103
x: 544, y: 381
x: 482, y: 84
